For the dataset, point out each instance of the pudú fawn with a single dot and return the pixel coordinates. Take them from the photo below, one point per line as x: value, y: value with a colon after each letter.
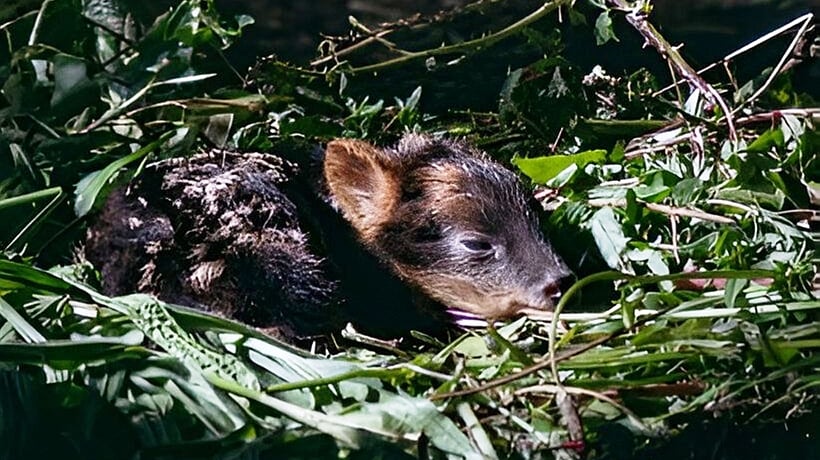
x: 255, y: 238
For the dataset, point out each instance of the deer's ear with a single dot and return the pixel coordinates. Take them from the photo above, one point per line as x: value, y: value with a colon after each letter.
x: 364, y: 181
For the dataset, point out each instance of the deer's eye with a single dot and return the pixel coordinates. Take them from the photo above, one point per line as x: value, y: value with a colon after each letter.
x: 476, y: 245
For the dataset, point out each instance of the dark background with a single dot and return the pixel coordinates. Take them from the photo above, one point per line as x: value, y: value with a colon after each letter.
x: 709, y: 30
x: 291, y: 28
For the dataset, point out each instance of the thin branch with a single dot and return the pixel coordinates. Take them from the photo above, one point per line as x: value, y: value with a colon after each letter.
x: 732, y: 204
x: 664, y: 209
x: 530, y: 369
x: 118, y: 110
x: 656, y: 146
x: 554, y: 389
x: 358, y: 45
x: 476, y: 430
x: 634, y: 148
x: 742, y: 50
x: 11, y: 22
x: 552, y: 358
x: 392, y: 346
x: 637, y: 18
x: 478, y: 43
x: 32, y: 39
x: 403, y: 24
x: 813, y: 113
x: 783, y: 59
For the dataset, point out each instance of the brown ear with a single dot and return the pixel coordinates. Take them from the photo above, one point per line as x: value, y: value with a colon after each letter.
x: 365, y: 183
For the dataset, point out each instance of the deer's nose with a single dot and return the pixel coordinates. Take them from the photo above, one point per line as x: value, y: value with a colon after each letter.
x: 553, y: 289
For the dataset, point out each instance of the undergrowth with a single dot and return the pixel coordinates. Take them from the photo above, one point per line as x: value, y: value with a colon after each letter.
x: 688, y: 213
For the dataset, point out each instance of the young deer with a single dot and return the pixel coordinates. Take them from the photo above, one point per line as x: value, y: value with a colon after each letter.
x: 226, y: 232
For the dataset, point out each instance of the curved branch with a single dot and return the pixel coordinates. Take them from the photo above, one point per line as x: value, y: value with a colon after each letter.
x: 637, y: 18
x: 478, y: 43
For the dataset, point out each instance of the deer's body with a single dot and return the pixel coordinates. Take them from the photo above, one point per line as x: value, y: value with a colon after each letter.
x: 224, y: 233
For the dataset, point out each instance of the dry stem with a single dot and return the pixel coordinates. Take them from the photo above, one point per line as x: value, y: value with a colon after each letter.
x: 664, y: 209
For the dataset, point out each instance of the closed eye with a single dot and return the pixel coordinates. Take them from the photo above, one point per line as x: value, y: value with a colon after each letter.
x: 477, y: 245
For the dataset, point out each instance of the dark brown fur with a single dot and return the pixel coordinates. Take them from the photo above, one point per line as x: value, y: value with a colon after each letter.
x: 217, y: 232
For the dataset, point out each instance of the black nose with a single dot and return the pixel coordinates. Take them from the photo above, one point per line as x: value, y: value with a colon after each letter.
x: 553, y: 291
x: 556, y: 288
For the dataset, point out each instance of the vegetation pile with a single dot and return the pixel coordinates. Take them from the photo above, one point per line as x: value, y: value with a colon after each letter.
x: 688, y: 212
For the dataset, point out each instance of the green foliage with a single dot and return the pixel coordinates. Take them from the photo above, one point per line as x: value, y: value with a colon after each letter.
x: 711, y: 307
x: 603, y: 29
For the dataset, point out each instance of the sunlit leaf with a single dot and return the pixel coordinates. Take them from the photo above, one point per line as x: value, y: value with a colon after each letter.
x: 542, y: 169
x: 609, y: 236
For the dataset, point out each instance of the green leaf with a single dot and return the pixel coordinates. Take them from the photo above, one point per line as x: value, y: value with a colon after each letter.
x: 30, y: 198
x: 24, y: 329
x: 219, y: 128
x: 243, y: 20
x: 151, y: 317
x: 542, y: 169
x: 686, y: 191
x: 90, y: 186
x: 733, y: 288
x: 403, y: 414
x: 628, y: 306
x: 609, y: 237
x: 409, y: 114
x: 603, y: 29
x: 656, y: 263
x: 776, y: 354
x: 774, y: 200
x: 15, y: 275
x: 765, y: 142
x: 633, y: 209
x: 506, y: 104
x: 652, y: 193
x: 70, y: 75
x: 71, y: 354
x: 813, y: 189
